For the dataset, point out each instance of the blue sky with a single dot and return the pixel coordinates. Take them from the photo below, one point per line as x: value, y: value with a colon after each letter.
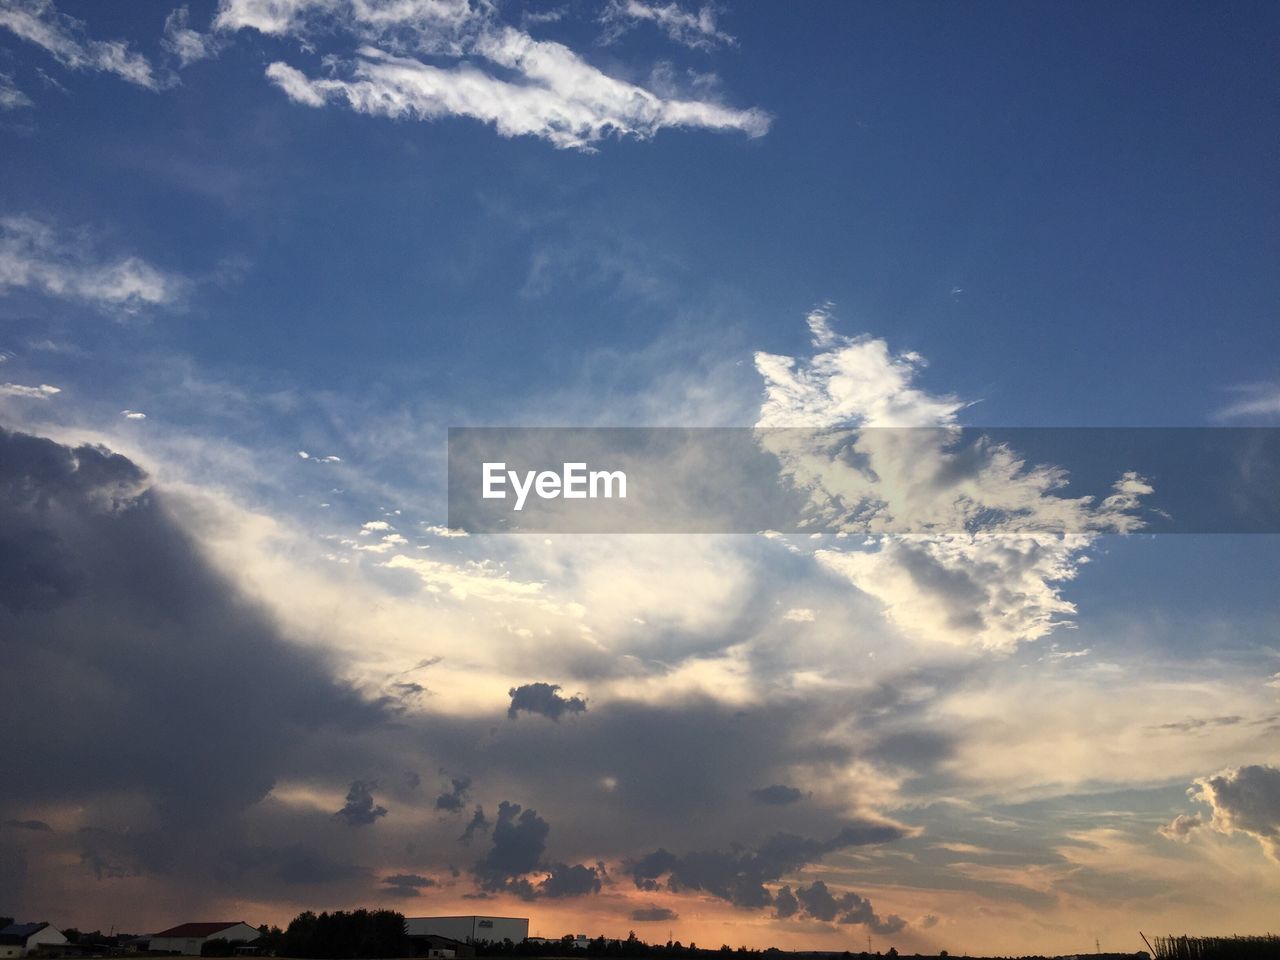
x: 1003, y: 214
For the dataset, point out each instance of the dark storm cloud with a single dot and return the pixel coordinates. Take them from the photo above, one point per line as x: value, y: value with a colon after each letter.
x: 519, y: 846
x: 455, y: 798
x: 785, y: 903
x: 405, y: 884
x: 569, y: 880
x: 739, y: 875
x: 171, y: 688
x: 360, y: 810
x: 777, y: 795
x: 544, y: 699
x: 819, y: 903
x: 519, y: 841
x: 653, y: 914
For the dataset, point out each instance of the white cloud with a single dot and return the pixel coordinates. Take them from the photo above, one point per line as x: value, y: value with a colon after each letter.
x: 133, y: 414
x: 64, y: 38
x: 696, y: 30
x: 953, y: 569
x: 1255, y: 400
x: 42, y: 392
x: 11, y: 98
x: 34, y: 256
x: 562, y: 99
x: 188, y: 45
x: 799, y: 615
x: 374, y: 526
x: 545, y: 90
x: 436, y: 530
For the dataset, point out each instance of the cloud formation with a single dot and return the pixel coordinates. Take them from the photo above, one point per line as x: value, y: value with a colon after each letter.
x: 1241, y: 800
x: 35, y: 256
x: 361, y: 809
x: 880, y: 454
x: 65, y: 39
x: 543, y: 699
x: 529, y: 87
x: 695, y: 30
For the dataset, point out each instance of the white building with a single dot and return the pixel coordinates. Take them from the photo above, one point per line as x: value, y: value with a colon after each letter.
x: 469, y: 929
x: 24, y: 939
x: 188, y: 938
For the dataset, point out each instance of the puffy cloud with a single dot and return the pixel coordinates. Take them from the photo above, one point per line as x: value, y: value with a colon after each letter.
x: 64, y: 38
x: 819, y: 903
x: 133, y: 414
x: 360, y: 810
x: 1241, y: 800
x: 778, y: 795
x: 455, y: 798
x: 875, y: 454
x: 543, y: 699
x: 34, y: 256
x: 519, y: 845
x: 696, y: 30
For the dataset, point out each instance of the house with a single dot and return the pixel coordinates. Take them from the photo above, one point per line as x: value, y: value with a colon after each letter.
x: 469, y: 929
x: 189, y: 938
x: 24, y: 939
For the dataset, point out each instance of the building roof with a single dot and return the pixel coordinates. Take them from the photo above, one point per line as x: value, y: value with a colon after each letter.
x: 207, y: 929
x: 21, y: 931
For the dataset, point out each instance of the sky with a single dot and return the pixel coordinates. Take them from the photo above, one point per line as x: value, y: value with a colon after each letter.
x: 257, y: 256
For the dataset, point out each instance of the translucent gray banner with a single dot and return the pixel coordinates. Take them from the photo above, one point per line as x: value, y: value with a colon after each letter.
x: 864, y: 481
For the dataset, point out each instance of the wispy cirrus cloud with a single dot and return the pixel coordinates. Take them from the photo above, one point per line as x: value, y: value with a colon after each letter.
x: 36, y: 256
x: 11, y: 98
x: 540, y: 88
x: 66, y: 40
x: 696, y: 30
x: 1252, y: 400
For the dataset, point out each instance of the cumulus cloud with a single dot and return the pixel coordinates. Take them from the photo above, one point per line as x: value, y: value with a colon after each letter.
x: 1241, y: 800
x: 877, y: 455
x: 543, y: 699
x: 539, y: 88
x: 360, y: 810
x: 518, y: 849
x: 696, y: 30
x: 455, y: 798
x: 34, y: 256
x: 66, y: 40
x: 818, y: 902
x: 102, y: 590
